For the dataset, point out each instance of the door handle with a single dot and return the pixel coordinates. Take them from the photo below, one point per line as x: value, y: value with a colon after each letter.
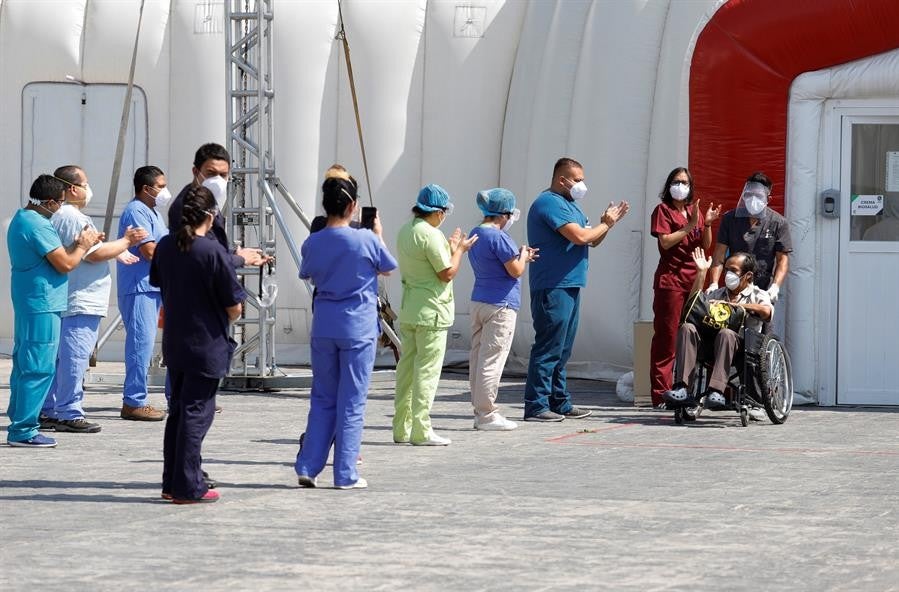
x: 830, y: 203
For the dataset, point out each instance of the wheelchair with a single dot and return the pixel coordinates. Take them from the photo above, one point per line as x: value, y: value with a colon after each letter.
x: 760, y: 376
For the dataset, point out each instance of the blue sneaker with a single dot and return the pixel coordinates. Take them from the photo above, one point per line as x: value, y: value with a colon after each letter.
x: 39, y: 441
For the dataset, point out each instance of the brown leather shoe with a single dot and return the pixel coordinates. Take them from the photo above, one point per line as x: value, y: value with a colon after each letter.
x: 145, y: 413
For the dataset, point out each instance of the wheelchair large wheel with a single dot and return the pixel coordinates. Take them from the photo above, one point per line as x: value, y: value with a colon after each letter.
x: 776, y: 380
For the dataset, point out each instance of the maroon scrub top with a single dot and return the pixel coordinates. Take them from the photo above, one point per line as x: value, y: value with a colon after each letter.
x: 676, y: 270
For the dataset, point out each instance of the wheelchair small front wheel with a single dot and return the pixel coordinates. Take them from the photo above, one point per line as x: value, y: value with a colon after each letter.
x: 679, y: 415
x: 744, y: 416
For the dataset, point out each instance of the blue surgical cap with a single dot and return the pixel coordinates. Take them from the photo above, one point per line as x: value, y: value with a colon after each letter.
x: 495, y: 202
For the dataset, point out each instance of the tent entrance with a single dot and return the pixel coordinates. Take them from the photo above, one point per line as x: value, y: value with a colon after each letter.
x: 867, y: 312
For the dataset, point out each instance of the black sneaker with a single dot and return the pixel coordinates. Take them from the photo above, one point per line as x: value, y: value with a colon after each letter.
x: 210, y: 482
x: 47, y: 423
x: 577, y: 413
x: 545, y: 416
x: 78, y: 426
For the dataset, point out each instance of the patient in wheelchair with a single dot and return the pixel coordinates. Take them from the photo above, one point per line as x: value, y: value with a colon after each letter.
x: 754, y: 308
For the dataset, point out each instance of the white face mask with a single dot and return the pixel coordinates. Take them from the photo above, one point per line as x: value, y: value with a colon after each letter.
x: 755, y: 205
x: 578, y: 191
x: 218, y: 186
x: 163, y: 198
x: 679, y: 192
x: 516, y: 214
x: 269, y: 291
x: 731, y: 280
x: 88, y: 194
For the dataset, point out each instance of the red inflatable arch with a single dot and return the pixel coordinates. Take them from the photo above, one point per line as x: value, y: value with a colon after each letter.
x: 743, y: 65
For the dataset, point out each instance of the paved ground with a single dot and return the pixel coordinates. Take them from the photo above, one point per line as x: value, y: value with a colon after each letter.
x: 624, y: 500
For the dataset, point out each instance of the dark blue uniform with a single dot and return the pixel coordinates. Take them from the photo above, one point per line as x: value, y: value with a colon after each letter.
x: 197, y: 286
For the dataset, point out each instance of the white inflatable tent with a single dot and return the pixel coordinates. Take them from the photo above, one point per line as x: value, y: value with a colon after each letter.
x: 469, y: 95
x: 493, y: 104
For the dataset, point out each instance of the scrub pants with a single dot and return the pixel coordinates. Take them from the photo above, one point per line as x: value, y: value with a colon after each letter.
x: 77, y: 339
x: 35, y: 343
x: 191, y: 410
x: 555, y: 314
x: 417, y: 375
x: 492, y: 329
x: 140, y: 314
x: 341, y: 370
x: 666, y: 308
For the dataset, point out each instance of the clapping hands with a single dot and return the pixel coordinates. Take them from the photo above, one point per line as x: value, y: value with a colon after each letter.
x: 89, y: 237
x: 528, y: 254
x: 711, y: 214
x: 135, y: 235
x: 614, y: 213
x: 457, y: 241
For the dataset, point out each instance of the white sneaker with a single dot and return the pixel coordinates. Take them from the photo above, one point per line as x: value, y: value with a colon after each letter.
x: 757, y: 414
x: 498, y: 424
x: 359, y: 484
x: 433, y: 440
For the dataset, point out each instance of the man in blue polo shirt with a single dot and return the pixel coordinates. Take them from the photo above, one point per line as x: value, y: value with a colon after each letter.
x: 560, y: 230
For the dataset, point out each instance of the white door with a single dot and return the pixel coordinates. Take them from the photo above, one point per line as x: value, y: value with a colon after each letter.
x: 65, y: 123
x: 868, y: 315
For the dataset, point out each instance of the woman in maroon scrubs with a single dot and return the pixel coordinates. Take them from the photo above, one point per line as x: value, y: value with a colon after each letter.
x: 679, y: 227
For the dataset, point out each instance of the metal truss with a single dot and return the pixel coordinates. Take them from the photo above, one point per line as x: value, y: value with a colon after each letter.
x: 252, y: 210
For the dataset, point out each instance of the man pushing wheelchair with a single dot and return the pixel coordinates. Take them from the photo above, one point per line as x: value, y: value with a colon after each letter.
x: 712, y: 328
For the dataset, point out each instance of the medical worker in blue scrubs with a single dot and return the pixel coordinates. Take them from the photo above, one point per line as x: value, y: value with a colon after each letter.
x: 559, y: 228
x: 39, y: 263
x: 89, y: 287
x: 139, y: 301
x: 202, y: 296
x: 344, y: 264
x: 498, y: 264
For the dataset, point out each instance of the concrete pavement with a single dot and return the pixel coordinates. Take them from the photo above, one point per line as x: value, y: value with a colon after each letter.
x: 623, y: 500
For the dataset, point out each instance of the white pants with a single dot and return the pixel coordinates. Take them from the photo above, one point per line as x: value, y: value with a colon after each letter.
x: 492, y: 329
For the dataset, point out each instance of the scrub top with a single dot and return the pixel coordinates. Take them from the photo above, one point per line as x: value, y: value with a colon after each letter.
x: 561, y: 263
x: 488, y: 257
x: 196, y: 286
x: 36, y: 285
x: 764, y: 240
x: 676, y: 270
x: 423, y: 251
x: 344, y: 264
x: 134, y: 278
x: 89, y: 283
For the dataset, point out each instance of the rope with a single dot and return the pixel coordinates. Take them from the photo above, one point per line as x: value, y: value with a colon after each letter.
x: 123, y: 129
x: 349, y: 68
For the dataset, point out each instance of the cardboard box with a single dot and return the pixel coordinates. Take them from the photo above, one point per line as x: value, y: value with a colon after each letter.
x: 642, y: 342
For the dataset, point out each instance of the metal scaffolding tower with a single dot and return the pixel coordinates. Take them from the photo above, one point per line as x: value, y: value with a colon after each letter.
x: 252, y: 210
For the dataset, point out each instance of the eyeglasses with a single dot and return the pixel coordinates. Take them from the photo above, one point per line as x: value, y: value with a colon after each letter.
x: 687, y: 183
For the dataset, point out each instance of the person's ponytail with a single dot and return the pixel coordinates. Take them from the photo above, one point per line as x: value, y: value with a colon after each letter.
x: 198, y: 204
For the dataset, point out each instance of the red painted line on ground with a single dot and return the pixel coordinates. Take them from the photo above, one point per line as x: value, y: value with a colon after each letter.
x: 729, y: 448
x: 591, y: 431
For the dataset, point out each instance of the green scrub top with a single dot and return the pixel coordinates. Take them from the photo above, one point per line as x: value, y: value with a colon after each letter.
x: 422, y: 252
